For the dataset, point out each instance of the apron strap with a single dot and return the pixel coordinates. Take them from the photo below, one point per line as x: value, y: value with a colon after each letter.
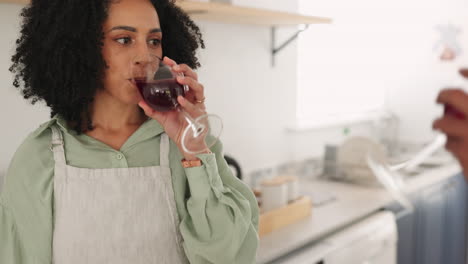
x: 164, y: 151
x: 57, y: 146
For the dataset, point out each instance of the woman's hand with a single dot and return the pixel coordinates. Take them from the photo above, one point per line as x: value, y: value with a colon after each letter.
x: 174, y: 122
x: 455, y: 124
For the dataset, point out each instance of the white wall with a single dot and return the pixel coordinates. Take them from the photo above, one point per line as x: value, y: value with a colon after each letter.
x: 18, y: 118
x: 389, y: 45
x: 255, y: 99
x: 415, y: 74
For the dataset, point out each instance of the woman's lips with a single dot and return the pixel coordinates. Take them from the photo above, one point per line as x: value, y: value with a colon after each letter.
x: 133, y: 83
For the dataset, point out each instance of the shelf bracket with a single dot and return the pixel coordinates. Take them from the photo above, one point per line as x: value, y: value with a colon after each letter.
x: 275, y: 50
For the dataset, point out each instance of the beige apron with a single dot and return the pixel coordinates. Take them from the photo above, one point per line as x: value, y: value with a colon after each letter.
x: 116, y: 215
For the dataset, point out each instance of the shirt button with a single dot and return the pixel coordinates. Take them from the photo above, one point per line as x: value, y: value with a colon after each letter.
x: 119, y: 156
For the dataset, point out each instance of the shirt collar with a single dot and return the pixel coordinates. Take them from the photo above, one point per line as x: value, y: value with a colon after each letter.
x: 44, y: 126
x: 148, y: 129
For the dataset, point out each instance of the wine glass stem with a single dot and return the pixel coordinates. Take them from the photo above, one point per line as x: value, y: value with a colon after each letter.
x: 196, y: 128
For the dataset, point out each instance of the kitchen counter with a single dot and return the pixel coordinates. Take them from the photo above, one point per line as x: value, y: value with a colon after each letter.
x: 352, y: 203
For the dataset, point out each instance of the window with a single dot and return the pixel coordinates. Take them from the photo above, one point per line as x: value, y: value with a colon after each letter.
x: 341, y: 65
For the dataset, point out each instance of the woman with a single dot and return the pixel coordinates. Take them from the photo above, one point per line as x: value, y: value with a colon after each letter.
x: 103, y: 182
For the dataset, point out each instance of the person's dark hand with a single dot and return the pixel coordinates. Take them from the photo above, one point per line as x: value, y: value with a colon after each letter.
x: 454, y: 123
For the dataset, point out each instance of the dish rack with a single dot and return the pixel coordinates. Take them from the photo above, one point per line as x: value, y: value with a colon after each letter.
x: 354, y: 173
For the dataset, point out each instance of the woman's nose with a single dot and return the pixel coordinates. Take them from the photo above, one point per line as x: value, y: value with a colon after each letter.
x: 142, y: 59
x: 143, y: 54
x: 147, y: 59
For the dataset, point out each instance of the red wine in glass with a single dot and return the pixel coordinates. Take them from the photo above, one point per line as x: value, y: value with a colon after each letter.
x: 161, y: 95
x: 157, y: 84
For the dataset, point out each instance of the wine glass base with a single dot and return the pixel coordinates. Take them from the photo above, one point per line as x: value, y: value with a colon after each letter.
x: 202, y: 134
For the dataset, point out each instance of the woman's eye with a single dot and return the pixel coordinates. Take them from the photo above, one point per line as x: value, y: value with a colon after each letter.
x: 124, y: 40
x: 155, y: 42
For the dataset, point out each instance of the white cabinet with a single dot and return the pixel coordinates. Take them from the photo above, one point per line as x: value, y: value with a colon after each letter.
x: 372, y: 240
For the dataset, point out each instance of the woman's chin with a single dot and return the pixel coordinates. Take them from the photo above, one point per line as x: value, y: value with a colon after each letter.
x: 134, y: 98
x: 135, y: 94
x: 131, y: 100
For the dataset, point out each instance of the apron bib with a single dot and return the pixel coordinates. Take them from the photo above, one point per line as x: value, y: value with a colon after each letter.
x: 116, y: 215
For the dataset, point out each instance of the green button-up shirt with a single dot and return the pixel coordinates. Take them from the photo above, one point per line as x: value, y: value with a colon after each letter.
x: 218, y: 212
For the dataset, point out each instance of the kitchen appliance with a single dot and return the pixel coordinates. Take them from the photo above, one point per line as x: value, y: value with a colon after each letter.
x: 372, y: 240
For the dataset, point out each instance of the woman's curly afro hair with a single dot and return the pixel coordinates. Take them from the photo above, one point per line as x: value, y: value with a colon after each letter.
x: 58, y: 54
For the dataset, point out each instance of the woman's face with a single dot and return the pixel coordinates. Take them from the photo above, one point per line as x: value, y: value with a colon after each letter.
x: 131, y: 32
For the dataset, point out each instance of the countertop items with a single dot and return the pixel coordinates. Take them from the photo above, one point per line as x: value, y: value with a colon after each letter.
x: 347, y: 204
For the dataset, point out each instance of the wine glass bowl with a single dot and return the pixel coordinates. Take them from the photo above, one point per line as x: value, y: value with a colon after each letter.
x: 158, y: 86
x: 160, y: 95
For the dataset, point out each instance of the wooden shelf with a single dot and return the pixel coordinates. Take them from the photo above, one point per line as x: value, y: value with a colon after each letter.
x: 23, y: 2
x: 225, y: 13
x: 231, y: 14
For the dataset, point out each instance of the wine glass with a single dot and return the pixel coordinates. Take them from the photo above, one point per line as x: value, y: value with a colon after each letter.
x: 157, y: 84
x: 389, y: 176
x: 438, y: 142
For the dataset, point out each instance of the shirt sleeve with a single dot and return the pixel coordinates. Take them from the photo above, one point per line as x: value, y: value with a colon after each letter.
x: 9, y: 244
x: 222, y: 220
x: 26, y: 208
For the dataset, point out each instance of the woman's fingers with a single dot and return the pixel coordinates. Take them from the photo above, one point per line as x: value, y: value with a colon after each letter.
x: 192, y: 109
x: 169, y: 62
x: 180, y: 68
x: 196, y: 92
x: 186, y: 70
x: 148, y: 110
x: 188, y: 77
x: 192, y: 83
x: 158, y: 116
